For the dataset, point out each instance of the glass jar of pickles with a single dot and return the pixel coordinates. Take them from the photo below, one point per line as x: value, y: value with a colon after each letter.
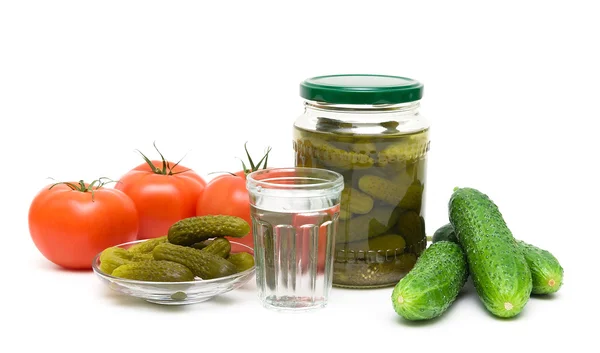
x: 368, y: 128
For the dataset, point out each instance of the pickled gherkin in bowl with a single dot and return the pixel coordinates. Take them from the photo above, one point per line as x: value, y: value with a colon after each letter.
x: 384, y: 194
x: 158, y: 272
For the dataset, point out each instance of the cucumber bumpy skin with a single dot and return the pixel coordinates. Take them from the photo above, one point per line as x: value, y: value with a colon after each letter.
x: 242, y: 260
x: 393, y: 243
x: 546, y: 271
x: 218, y: 246
x: 409, y: 149
x: 412, y: 227
x: 113, y: 257
x: 499, y: 270
x: 445, y: 232
x: 192, y: 230
x: 382, y: 189
x: 413, y: 198
x: 374, y: 223
x: 433, y: 284
x: 345, y: 214
x: 334, y: 157
x: 203, y: 264
x: 155, y: 271
x: 146, y: 247
x: 356, y: 201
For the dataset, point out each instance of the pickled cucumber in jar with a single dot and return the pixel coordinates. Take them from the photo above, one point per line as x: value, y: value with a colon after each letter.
x: 384, y: 194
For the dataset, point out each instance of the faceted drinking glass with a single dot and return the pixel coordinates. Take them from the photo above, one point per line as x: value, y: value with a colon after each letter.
x: 294, y: 215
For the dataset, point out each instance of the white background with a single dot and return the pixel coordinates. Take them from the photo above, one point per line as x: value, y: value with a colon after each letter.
x: 511, y: 90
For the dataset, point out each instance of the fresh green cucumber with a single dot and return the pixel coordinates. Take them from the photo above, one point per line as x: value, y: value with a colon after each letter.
x: 499, y: 270
x: 546, y: 271
x: 433, y: 284
x: 445, y: 232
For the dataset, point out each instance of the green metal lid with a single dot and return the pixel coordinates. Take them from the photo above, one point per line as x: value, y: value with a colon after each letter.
x: 361, y: 89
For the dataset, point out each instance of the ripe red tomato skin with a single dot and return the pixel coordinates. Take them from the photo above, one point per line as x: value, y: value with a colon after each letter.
x: 161, y: 200
x: 227, y: 195
x: 69, y: 229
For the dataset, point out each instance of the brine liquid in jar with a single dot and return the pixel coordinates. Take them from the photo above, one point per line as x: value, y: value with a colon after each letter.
x: 381, y: 231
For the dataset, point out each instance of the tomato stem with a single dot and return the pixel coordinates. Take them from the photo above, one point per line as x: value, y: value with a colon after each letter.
x: 81, y: 187
x: 166, y: 169
x: 263, y: 161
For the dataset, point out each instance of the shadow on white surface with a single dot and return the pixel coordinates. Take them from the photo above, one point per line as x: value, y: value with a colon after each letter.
x: 224, y: 300
x: 46, y: 265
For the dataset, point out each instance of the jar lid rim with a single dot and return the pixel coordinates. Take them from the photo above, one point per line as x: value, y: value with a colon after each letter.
x: 361, y: 89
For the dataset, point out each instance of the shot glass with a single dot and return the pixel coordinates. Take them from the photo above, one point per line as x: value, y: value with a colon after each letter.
x: 294, y: 215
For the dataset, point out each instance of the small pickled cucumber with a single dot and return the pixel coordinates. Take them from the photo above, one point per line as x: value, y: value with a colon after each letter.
x: 192, y: 230
x: 393, y: 242
x: 406, y: 261
x: 382, y: 189
x: 354, y: 272
x: 203, y: 264
x: 113, y: 257
x: 412, y: 227
x: 356, y: 201
x: 201, y: 244
x: 413, y: 198
x: 410, y: 148
x: 364, y: 147
x: 142, y: 257
x: 388, y: 242
x: 148, y: 245
x: 218, y: 246
x: 242, y: 261
x: 345, y: 214
x: 302, y: 154
x: 335, y: 157
x: 372, y: 224
x: 155, y: 271
x: 332, y: 125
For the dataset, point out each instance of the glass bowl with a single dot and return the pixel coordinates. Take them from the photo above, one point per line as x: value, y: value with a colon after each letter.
x: 176, y: 293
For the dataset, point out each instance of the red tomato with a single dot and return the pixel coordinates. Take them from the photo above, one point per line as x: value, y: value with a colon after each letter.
x: 161, y: 196
x: 70, y: 226
x: 227, y: 195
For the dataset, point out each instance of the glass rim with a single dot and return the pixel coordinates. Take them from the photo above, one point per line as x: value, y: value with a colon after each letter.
x: 326, y: 179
